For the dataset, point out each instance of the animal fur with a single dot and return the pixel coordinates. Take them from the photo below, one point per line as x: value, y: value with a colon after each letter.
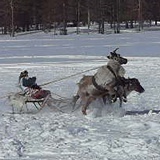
x: 105, y: 77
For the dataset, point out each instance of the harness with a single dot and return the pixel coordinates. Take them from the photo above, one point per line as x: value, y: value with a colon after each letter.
x: 119, y: 81
x: 111, y: 70
x: 98, y: 87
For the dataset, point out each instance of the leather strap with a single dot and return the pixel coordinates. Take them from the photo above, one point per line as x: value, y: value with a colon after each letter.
x: 98, y: 87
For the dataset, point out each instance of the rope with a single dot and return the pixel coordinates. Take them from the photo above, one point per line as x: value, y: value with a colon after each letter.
x: 4, y: 96
x: 61, y: 97
x: 54, y: 81
x: 8, y: 94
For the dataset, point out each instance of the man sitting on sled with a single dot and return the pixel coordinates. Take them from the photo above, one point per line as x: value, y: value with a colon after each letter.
x: 29, y: 86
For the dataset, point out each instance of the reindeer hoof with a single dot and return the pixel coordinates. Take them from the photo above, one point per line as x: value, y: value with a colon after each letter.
x: 125, y: 100
x: 114, y: 99
x: 84, y: 112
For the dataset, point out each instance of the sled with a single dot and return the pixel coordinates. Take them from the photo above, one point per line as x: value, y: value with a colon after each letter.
x: 20, y: 101
x: 54, y: 101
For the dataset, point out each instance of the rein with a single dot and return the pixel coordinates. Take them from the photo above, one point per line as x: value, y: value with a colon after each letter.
x: 54, y: 81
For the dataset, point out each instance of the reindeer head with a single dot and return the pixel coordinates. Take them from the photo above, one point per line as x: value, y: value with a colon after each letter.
x: 135, y: 85
x: 117, y: 57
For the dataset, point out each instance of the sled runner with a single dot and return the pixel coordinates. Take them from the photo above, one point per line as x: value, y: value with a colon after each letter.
x: 38, y: 103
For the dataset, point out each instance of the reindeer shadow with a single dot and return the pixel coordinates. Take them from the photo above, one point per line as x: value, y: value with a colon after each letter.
x: 141, y: 112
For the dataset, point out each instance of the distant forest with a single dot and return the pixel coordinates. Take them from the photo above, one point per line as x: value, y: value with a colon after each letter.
x: 27, y: 15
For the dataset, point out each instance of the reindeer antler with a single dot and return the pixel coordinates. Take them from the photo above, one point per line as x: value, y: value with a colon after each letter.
x: 115, y: 50
x: 113, y: 53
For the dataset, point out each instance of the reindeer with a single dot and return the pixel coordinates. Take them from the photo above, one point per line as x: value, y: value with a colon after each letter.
x: 104, y: 82
x: 123, y: 90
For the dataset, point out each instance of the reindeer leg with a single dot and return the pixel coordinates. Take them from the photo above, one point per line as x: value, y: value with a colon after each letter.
x: 119, y: 95
x: 84, y: 107
x: 107, y: 99
x: 74, y: 100
x: 104, y: 98
x: 120, y: 101
x: 114, y: 98
x: 124, y: 97
x: 12, y: 109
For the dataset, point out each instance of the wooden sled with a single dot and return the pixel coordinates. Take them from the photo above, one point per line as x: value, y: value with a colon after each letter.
x: 20, y: 100
x: 54, y: 101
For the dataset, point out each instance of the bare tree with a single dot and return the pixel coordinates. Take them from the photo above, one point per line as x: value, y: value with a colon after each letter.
x: 23, y: 15
x: 12, y: 19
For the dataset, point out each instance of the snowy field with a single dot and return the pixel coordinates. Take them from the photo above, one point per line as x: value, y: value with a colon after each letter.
x: 107, y: 132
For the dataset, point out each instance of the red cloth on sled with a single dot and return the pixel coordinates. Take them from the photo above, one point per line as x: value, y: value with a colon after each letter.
x: 39, y: 94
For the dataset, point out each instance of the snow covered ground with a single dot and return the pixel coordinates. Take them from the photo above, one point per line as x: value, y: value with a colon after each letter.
x: 105, y: 133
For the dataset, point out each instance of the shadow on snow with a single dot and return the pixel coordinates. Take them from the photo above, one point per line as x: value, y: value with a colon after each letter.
x: 141, y: 112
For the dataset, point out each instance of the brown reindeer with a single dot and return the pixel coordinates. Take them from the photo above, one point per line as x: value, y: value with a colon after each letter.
x: 85, y: 85
x: 104, y: 81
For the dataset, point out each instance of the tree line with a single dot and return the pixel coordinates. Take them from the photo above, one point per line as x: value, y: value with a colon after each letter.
x: 26, y: 15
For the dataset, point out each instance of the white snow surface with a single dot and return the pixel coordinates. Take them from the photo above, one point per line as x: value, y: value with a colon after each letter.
x: 107, y: 132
